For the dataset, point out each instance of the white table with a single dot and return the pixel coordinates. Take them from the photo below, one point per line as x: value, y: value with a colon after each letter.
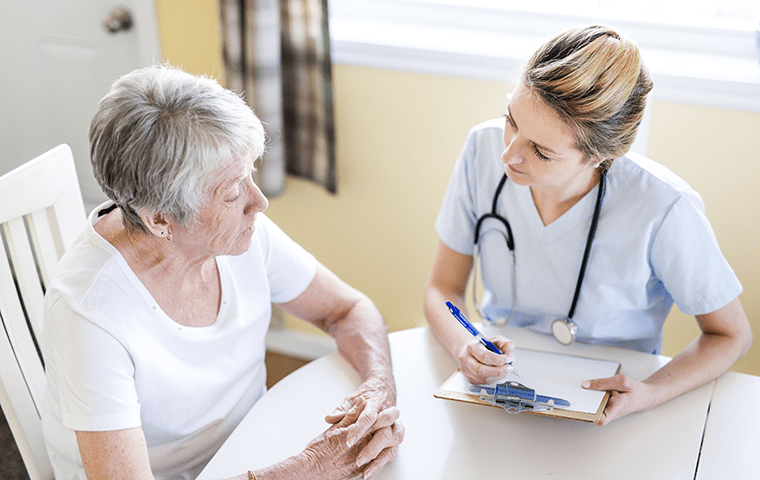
x: 732, y: 434
x: 452, y: 440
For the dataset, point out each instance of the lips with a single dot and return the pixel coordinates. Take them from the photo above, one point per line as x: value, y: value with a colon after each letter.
x: 249, y: 230
x: 252, y: 228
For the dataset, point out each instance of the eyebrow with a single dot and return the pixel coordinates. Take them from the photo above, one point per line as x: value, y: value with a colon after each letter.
x: 241, y: 178
x: 222, y: 188
x: 540, y: 147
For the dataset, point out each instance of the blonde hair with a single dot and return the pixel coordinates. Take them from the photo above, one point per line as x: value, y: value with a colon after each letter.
x: 595, y: 80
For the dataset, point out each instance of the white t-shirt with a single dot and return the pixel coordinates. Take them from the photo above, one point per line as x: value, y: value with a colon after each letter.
x: 115, y: 360
x: 653, y: 245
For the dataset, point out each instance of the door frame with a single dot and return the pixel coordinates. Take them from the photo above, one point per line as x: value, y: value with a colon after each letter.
x: 146, y: 31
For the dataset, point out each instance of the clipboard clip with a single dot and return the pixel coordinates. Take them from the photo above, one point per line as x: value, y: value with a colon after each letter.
x: 514, y: 397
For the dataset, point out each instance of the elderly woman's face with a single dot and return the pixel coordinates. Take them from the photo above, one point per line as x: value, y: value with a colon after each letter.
x: 226, y: 219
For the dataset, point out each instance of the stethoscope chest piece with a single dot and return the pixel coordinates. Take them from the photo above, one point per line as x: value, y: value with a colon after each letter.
x: 564, y: 330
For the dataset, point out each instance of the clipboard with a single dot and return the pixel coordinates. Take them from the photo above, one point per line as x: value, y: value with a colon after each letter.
x: 549, y: 374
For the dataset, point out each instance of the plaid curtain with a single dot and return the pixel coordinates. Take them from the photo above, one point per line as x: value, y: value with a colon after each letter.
x: 277, y: 54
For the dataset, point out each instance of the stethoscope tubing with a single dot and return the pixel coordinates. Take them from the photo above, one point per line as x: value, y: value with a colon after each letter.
x: 571, y: 327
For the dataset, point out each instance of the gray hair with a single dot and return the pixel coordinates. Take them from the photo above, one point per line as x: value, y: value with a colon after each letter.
x: 159, y: 134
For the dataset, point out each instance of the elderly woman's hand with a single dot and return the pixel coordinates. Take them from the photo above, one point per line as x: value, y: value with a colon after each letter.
x: 370, y: 412
x: 331, y: 456
x: 379, y: 396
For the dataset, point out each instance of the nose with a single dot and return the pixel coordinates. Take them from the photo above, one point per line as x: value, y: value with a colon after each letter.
x: 511, y: 154
x: 256, y: 201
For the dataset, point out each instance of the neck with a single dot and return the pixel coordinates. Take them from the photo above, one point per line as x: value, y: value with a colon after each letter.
x: 552, y: 201
x: 185, y: 284
x: 148, y: 255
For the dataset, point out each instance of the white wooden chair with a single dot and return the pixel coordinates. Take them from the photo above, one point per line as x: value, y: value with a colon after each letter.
x: 41, y: 214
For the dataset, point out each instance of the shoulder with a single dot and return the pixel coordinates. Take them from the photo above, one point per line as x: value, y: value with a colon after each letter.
x: 489, y: 131
x: 645, y: 182
x: 89, y: 275
x: 80, y: 268
x: 481, y: 154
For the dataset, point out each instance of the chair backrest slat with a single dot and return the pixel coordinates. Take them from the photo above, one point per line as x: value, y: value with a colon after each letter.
x: 48, y: 247
x: 25, y: 268
x: 41, y: 214
x: 17, y: 410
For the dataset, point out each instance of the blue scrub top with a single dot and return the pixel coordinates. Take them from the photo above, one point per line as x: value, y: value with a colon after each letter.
x: 653, y: 246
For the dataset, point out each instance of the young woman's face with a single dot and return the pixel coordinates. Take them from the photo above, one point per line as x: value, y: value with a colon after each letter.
x: 540, y: 148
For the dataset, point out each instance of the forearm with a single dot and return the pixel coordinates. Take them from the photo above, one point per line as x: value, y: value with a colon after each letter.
x: 726, y: 336
x: 352, y: 319
x: 444, y: 326
x: 362, y: 339
x: 448, y: 283
x: 702, y: 361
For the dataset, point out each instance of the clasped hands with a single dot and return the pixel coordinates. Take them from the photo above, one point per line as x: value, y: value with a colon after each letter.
x: 364, y: 435
x: 481, y: 366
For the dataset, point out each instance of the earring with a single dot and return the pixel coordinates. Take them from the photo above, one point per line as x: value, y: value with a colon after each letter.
x: 169, y: 237
x: 596, y: 165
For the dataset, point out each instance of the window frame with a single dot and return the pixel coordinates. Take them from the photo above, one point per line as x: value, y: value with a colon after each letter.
x: 713, y: 64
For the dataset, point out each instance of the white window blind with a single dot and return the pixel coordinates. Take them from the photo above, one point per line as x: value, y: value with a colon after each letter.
x: 700, y: 52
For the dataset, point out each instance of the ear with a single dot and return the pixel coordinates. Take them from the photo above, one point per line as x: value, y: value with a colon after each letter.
x: 157, y: 223
x: 594, y: 162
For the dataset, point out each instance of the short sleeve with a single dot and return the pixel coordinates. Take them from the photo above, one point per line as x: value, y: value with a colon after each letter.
x: 687, y: 259
x: 95, y: 373
x: 290, y: 268
x: 456, y: 220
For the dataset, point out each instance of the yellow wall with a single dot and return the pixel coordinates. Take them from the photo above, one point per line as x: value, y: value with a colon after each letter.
x: 189, y: 33
x: 398, y: 138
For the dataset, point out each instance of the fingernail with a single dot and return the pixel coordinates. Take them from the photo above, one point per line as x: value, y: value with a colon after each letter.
x: 368, y: 474
x: 585, y: 384
x: 361, y: 460
x: 350, y: 440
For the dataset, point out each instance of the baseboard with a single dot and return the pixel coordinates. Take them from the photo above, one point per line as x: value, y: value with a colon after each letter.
x: 306, y: 346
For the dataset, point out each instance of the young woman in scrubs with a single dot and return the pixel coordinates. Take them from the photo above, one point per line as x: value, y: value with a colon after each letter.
x: 576, y: 203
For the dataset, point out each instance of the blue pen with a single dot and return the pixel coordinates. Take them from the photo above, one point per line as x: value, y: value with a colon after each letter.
x: 475, y: 333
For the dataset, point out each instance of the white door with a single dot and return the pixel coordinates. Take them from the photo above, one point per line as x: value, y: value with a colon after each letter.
x: 57, y: 60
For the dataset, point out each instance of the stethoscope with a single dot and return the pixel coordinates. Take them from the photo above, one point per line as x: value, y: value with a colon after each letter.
x: 563, y: 329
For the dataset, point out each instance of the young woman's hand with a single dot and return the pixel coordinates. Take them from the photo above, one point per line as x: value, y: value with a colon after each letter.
x: 482, y: 366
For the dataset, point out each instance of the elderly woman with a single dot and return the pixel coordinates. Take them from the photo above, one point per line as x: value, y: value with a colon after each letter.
x: 578, y: 237
x: 155, y: 321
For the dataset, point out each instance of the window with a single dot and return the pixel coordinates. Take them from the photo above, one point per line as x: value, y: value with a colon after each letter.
x: 700, y: 52
x: 671, y: 11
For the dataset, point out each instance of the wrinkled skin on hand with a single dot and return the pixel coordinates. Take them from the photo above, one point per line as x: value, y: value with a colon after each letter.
x: 481, y: 366
x: 330, y: 456
x: 377, y: 395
